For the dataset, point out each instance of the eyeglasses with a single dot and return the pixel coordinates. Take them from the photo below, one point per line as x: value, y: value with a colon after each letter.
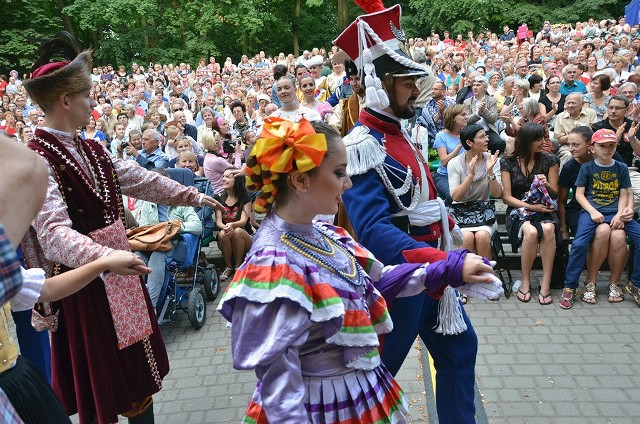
x: 178, y: 109
x: 617, y: 107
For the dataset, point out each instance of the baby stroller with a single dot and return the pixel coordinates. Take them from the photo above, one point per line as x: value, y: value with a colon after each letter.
x: 188, y: 281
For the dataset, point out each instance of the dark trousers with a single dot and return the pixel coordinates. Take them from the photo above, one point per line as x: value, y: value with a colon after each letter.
x: 454, y: 357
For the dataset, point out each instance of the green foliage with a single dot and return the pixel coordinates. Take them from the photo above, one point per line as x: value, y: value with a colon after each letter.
x: 22, y: 19
x: 122, y: 31
x: 460, y: 16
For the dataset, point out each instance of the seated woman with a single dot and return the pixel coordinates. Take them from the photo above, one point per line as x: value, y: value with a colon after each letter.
x: 608, y: 243
x: 472, y: 177
x: 188, y: 159
x: 214, y: 164
x: 530, y: 113
x: 536, y: 231
x: 152, y: 213
x: 183, y: 145
x: 234, y: 240
x: 447, y: 143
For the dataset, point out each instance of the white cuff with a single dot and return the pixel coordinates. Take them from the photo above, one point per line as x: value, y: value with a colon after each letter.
x: 32, y: 284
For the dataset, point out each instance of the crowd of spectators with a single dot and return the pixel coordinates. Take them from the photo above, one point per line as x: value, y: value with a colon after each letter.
x: 206, y: 117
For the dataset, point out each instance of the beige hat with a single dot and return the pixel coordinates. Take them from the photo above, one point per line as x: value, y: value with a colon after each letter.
x: 263, y: 96
x: 71, y: 78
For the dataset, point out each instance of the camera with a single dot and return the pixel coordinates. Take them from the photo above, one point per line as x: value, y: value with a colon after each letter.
x: 228, y: 146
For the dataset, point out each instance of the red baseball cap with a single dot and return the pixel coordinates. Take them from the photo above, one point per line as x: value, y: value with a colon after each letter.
x: 604, y: 136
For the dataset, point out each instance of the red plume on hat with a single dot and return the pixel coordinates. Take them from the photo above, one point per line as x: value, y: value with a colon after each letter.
x: 370, y: 6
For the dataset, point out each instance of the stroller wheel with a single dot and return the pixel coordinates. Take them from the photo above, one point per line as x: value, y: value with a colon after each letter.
x: 211, y: 283
x: 197, y: 309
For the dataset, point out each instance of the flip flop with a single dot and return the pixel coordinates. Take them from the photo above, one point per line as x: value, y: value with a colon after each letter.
x: 542, y: 299
x: 524, y: 298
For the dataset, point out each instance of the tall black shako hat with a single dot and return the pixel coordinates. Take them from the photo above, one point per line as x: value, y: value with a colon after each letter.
x: 375, y: 42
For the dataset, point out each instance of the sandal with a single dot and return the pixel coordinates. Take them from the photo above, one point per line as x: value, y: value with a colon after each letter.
x: 524, y: 298
x: 634, y: 292
x: 567, y: 298
x: 542, y: 299
x: 226, y: 274
x: 615, y: 293
x: 589, y: 295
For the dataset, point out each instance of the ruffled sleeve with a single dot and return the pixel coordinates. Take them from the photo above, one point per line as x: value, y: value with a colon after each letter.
x: 274, y: 273
x: 32, y: 284
x: 267, y: 337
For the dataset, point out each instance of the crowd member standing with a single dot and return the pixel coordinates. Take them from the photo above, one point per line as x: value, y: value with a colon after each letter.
x: 395, y: 211
x: 108, y: 356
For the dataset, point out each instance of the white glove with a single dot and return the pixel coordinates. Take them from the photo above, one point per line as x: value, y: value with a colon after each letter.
x: 483, y: 291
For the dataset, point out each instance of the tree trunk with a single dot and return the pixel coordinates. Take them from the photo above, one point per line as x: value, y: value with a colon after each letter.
x: 343, y: 14
x: 296, y: 24
x: 154, y: 41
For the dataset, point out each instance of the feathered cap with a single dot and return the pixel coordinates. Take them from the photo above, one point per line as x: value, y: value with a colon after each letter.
x: 50, y: 79
x: 375, y: 42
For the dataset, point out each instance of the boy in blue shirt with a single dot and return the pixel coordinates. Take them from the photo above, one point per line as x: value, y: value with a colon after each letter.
x: 603, y: 189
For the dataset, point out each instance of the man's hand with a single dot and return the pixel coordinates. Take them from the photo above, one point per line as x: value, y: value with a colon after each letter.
x: 473, y: 268
x: 131, y: 151
x: 626, y: 215
x: 617, y: 223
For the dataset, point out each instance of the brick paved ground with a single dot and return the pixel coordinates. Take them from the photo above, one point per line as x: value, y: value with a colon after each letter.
x: 535, y: 365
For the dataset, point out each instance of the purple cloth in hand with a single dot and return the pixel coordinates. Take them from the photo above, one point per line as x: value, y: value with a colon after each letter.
x: 438, y: 274
x: 447, y: 271
x: 392, y: 282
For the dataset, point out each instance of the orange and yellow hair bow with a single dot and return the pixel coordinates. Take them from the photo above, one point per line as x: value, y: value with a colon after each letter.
x: 282, y: 142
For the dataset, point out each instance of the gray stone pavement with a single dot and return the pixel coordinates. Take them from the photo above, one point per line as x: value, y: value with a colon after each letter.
x: 536, y: 364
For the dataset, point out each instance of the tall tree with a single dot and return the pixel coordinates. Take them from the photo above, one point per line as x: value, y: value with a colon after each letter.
x: 23, y: 19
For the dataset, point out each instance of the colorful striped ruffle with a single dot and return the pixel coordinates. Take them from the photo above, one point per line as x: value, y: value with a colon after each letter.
x: 360, y: 397
x: 277, y: 272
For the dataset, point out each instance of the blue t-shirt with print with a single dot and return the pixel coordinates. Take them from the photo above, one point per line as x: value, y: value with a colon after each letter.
x: 450, y: 143
x: 602, y: 184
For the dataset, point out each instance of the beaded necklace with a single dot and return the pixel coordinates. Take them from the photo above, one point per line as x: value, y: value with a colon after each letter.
x: 322, y: 254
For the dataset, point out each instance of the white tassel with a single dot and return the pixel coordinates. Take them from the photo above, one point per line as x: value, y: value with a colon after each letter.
x: 383, y: 99
x: 363, y: 151
x: 450, y: 319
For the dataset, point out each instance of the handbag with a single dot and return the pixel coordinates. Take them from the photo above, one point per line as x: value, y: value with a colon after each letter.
x: 153, y: 238
x: 473, y: 214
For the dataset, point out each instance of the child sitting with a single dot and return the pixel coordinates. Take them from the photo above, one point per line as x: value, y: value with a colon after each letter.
x: 603, y: 189
x: 183, y: 144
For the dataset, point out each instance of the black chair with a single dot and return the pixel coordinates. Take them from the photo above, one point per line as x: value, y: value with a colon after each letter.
x: 497, y: 250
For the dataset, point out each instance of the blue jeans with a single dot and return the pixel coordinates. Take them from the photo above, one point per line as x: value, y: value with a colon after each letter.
x: 157, y: 261
x: 580, y: 248
x: 442, y: 184
x: 454, y: 357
